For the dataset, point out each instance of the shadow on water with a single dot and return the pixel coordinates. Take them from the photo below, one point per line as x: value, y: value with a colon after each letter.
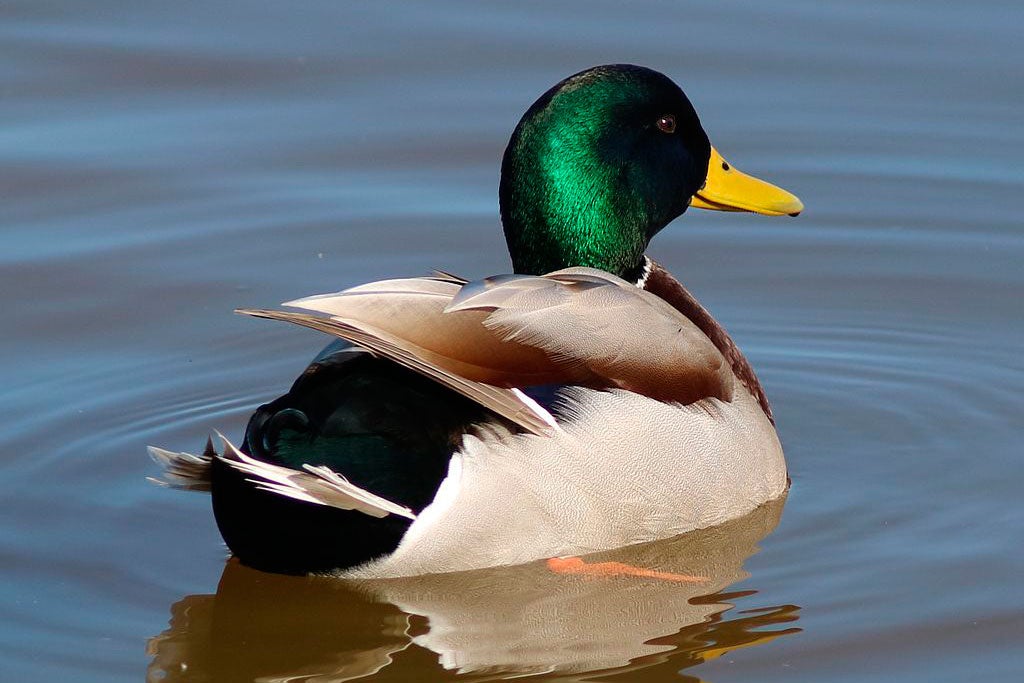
x: 487, y: 624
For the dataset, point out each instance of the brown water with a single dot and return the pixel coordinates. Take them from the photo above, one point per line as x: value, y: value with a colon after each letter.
x: 162, y: 164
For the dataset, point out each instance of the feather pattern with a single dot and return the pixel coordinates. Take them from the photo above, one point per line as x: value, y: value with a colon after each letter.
x: 312, y: 484
x: 618, y: 332
x: 577, y: 326
x: 504, y: 402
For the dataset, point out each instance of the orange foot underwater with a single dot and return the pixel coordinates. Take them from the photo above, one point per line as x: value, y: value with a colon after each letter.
x: 576, y: 565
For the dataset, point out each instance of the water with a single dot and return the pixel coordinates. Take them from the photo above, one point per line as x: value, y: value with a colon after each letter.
x: 161, y: 165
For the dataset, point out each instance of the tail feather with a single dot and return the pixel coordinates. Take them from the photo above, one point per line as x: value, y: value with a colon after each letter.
x: 312, y: 484
x: 184, y: 471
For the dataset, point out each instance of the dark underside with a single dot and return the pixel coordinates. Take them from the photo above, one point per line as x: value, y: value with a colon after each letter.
x: 384, y: 428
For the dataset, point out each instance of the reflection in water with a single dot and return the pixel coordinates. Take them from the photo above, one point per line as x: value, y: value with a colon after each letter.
x: 491, y: 623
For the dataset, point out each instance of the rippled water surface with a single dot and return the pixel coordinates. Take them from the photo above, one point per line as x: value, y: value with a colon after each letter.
x: 162, y: 164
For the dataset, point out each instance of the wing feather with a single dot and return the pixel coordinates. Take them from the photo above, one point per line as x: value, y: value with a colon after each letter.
x: 575, y: 326
x: 501, y: 400
x: 616, y: 330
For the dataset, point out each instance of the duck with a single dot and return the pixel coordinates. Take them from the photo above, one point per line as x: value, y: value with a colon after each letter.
x: 585, y: 401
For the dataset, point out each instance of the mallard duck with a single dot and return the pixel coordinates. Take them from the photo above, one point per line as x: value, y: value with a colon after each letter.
x: 585, y: 402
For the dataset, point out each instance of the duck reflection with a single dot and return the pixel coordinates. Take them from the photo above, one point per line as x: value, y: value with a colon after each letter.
x: 563, y: 618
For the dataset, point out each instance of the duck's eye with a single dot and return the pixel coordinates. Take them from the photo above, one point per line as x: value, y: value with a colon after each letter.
x: 667, y: 124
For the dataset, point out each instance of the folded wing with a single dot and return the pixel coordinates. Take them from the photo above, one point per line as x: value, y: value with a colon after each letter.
x: 487, y: 338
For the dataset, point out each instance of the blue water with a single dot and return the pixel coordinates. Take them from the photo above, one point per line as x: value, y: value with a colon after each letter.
x: 163, y: 164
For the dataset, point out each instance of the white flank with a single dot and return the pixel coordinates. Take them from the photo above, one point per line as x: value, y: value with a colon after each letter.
x: 444, y: 499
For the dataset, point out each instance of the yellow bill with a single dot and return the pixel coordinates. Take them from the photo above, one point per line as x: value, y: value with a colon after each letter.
x: 727, y: 189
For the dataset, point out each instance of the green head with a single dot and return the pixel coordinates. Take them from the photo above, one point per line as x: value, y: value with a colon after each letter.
x: 596, y: 167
